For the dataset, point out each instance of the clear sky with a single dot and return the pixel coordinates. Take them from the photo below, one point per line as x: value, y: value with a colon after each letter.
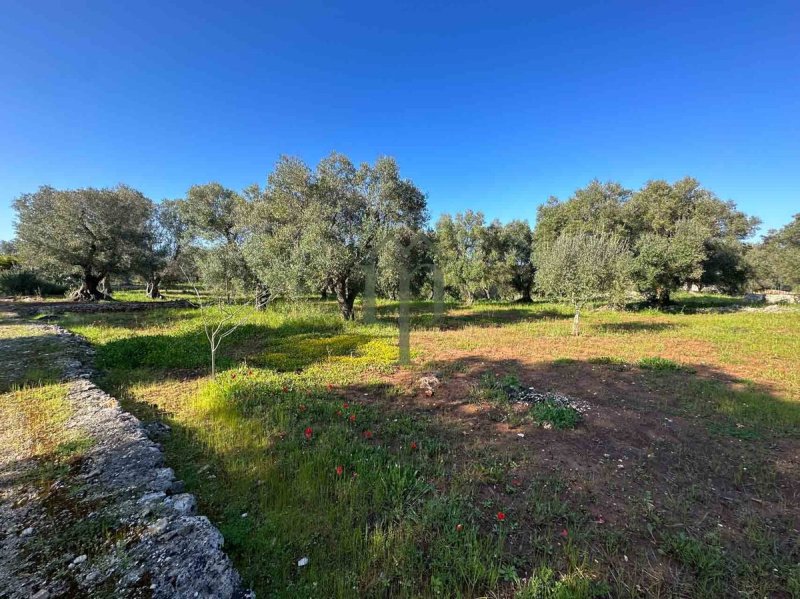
x: 492, y: 106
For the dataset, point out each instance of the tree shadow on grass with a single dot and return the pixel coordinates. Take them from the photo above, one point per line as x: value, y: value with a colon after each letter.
x: 685, y: 303
x: 285, y: 348
x: 27, y: 359
x: 422, y: 314
x: 636, y: 327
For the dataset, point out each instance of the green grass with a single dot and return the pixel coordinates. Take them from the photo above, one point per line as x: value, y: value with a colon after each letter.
x: 360, y: 528
x: 549, y: 412
x: 656, y: 363
x: 239, y: 442
x: 419, y: 518
x: 705, y: 557
x: 500, y: 390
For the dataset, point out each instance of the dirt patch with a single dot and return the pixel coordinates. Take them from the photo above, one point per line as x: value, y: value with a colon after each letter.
x: 638, y: 470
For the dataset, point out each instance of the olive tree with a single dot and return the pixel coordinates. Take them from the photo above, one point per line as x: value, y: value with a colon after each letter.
x: 775, y: 262
x: 324, y: 229
x: 581, y: 268
x: 663, y: 262
x: 596, y: 209
x: 684, y: 234
x: 519, y: 257
x: 91, y: 233
x: 165, y: 246
x: 212, y: 214
x: 461, y: 252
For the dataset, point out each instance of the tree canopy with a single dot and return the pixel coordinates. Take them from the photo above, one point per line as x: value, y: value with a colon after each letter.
x: 90, y: 233
x: 579, y: 268
x: 340, y: 228
x: 681, y: 233
x: 324, y: 228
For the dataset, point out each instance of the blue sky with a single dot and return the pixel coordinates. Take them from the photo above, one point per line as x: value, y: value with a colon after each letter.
x: 491, y: 106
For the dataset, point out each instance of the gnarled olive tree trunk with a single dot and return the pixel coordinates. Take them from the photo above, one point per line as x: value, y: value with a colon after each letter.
x: 152, y: 288
x: 262, y: 297
x: 526, y: 294
x: 90, y: 290
x: 346, y: 297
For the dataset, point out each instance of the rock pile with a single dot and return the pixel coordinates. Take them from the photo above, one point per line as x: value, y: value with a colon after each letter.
x: 530, y: 396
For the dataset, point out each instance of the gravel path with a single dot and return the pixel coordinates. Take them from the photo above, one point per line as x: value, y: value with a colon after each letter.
x: 117, y: 523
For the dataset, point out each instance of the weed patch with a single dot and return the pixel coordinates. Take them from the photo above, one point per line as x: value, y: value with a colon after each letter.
x: 657, y: 363
x: 557, y: 415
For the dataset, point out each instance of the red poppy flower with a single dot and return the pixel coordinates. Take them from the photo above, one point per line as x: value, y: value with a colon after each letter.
x: 352, y: 417
x: 345, y: 405
x: 413, y: 445
x: 564, y: 533
x: 368, y: 434
x: 501, y: 516
x: 330, y: 387
x: 309, y: 433
x: 339, y: 470
x: 459, y: 527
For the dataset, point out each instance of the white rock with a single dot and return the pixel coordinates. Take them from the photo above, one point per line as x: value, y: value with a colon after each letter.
x: 303, y: 561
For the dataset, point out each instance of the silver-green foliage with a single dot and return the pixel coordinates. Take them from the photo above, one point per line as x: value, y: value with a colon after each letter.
x: 322, y: 229
x: 582, y: 268
x: 88, y: 232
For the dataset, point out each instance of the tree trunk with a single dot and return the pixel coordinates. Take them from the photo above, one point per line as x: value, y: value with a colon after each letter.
x: 152, y: 290
x: 576, y: 323
x: 663, y: 297
x: 105, y: 286
x: 469, y: 298
x: 345, y: 297
x: 526, y: 295
x: 262, y: 297
x: 89, y: 290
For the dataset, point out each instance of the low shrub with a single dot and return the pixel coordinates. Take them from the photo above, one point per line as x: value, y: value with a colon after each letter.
x: 496, y: 389
x: 25, y: 282
x: 7, y: 262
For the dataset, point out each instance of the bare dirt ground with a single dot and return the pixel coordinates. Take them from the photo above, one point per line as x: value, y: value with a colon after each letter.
x: 639, y: 467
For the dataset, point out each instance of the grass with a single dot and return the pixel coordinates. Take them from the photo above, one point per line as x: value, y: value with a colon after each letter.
x: 312, y: 475
x: 657, y: 363
x: 558, y: 416
x: 32, y: 361
x: 414, y: 509
x: 33, y: 425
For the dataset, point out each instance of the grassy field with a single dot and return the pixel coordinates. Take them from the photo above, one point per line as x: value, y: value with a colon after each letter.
x: 681, y: 479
